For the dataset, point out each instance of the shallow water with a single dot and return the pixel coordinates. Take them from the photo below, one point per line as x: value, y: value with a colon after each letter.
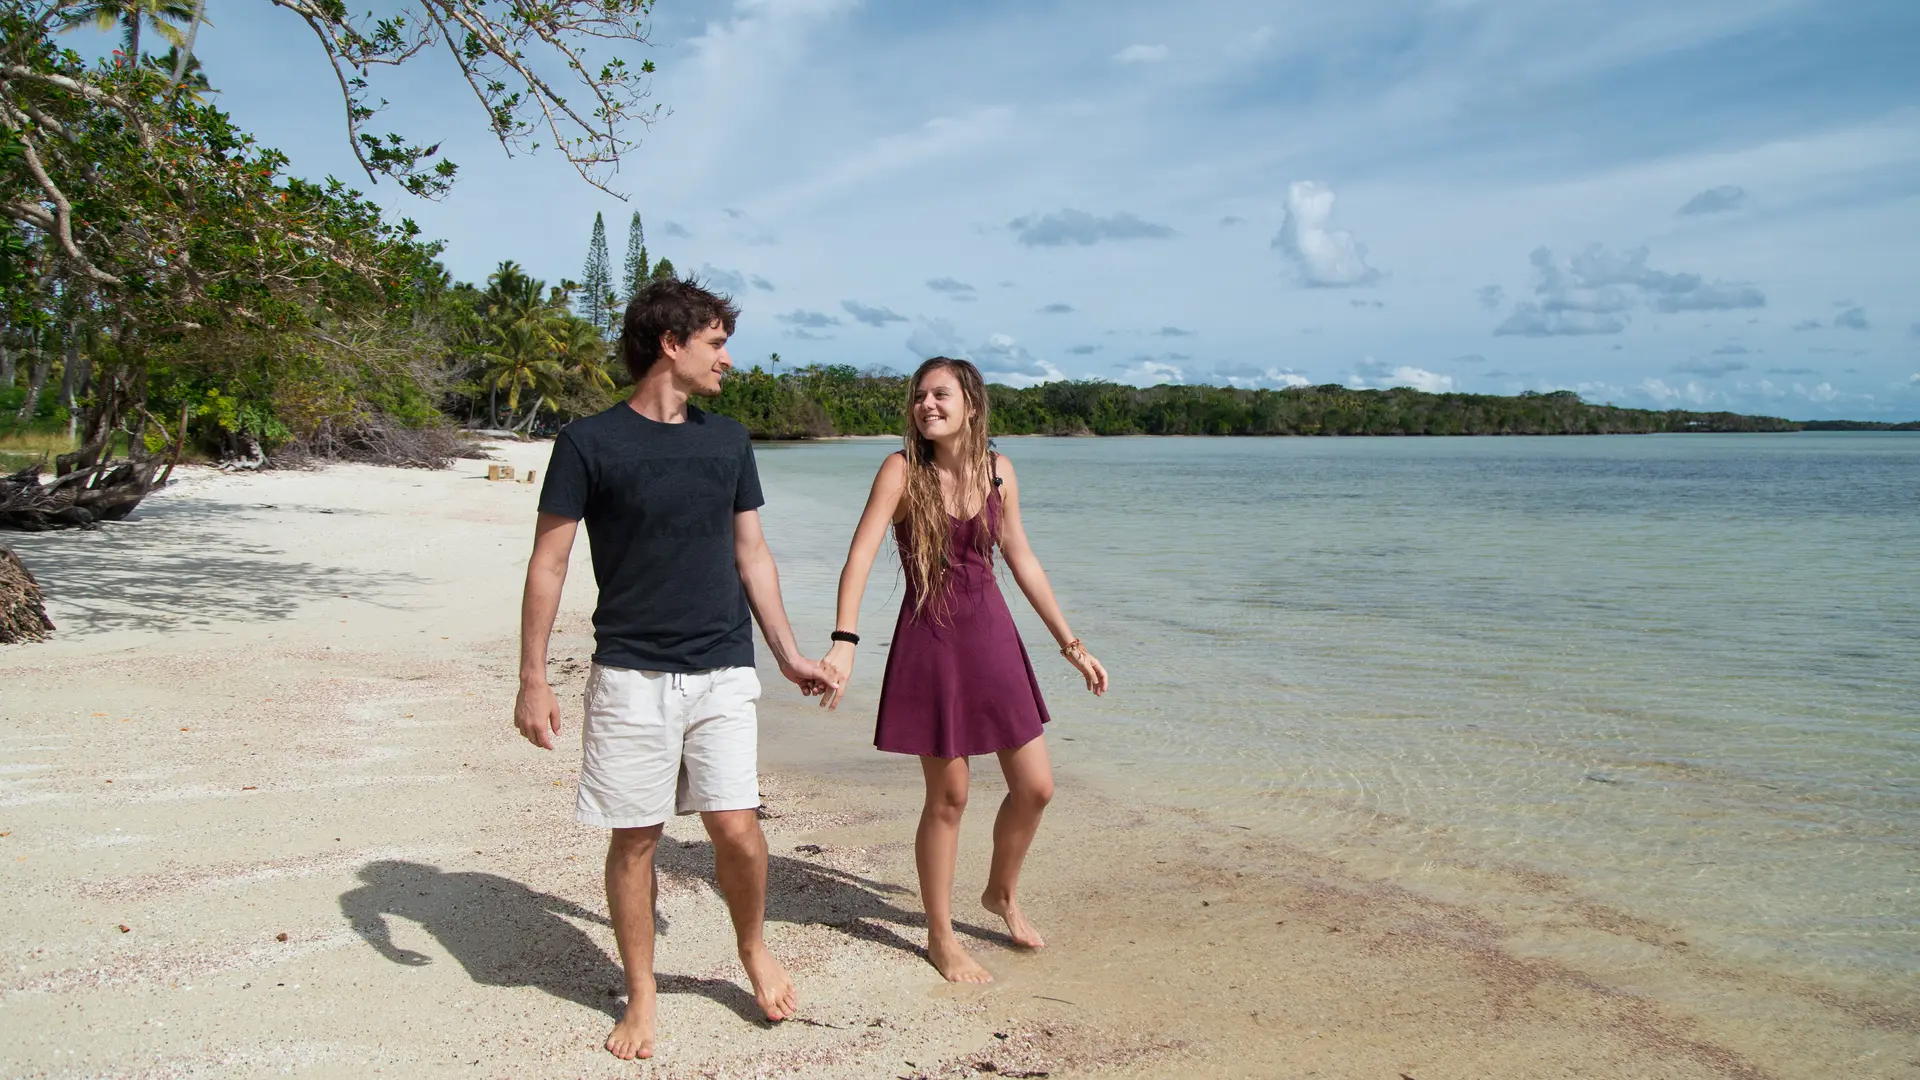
x: 1682, y: 672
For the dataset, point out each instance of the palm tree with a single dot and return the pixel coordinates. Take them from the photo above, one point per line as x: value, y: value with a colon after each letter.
x: 579, y: 345
x: 162, y: 15
x: 521, y: 360
x: 193, y: 79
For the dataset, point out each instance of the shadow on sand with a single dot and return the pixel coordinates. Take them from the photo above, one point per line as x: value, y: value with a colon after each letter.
x: 505, y: 934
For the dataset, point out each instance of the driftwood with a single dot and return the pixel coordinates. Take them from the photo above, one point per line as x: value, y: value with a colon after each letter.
x: 23, y: 611
x: 375, y: 440
x: 107, y: 491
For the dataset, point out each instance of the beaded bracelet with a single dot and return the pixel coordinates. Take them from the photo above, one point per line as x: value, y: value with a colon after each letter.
x: 1072, y: 647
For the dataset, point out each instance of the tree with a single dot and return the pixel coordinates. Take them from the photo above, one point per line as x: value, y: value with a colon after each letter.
x: 663, y: 270
x: 596, y: 279
x: 637, y: 267
x: 130, y: 15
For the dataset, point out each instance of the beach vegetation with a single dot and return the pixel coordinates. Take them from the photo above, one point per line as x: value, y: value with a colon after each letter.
x: 817, y: 400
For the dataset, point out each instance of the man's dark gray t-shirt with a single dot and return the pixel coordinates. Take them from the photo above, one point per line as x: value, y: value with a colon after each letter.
x: 659, y: 501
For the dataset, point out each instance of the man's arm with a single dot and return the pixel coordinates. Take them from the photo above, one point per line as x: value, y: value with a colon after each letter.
x: 535, y: 712
x: 761, y: 579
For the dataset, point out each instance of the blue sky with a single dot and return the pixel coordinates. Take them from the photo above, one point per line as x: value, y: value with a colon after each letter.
x: 1701, y: 204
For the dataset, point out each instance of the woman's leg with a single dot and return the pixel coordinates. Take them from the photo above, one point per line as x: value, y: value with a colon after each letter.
x: 935, y: 847
x: 1029, y: 775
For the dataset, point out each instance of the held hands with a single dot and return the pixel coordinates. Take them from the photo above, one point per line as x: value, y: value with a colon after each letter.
x: 839, y: 664
x: 813, y: 677
x: 537, y: 714
x: 1084, y: 662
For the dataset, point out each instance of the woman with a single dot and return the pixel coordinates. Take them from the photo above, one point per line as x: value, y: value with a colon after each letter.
x: 958, y: 680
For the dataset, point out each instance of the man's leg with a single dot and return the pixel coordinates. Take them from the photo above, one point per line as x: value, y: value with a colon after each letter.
x: 1029, y: 788
x: 936, y: 845
x: 740, y: 864
x: 630, y: 892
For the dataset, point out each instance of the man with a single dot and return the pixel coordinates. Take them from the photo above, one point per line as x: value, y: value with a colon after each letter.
x: 670, y: 497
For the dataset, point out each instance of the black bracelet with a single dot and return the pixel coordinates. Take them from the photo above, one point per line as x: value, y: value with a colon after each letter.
x: 845, y: 635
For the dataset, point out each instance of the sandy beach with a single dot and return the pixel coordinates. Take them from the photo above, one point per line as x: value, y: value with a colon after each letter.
x: 263, y: 811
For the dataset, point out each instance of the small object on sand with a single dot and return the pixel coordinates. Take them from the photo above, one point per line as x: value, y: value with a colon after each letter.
x: 125, y: 929
x: 808, y: 849
x: 249, y: 787
x: 531, y: 473
x: 281, y: 936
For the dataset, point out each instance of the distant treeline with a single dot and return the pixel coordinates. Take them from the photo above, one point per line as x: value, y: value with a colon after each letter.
x: 1858, y: 425
x: 818, y: 401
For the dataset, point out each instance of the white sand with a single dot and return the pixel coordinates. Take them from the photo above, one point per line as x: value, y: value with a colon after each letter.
x: 279, y: 705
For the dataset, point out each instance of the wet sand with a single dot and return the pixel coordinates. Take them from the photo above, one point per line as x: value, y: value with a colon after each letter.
x: 264, y: 812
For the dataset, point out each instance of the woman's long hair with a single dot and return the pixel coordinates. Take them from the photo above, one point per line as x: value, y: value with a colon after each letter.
x: 928, y: 530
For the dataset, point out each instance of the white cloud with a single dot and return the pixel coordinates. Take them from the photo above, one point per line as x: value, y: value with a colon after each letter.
x: 1002, y: 355
x: 728, y: 281
x: 1592, y: 291
x: 1326, y: 257
x: 936, y: 337
x: 1141, y: 54
x: 872, y: 316
x: 1716, y: 200
x: 1371, y: 373
x: 1069, y: 226
x: 1147, y: 371
x: 1248, y: 377
x: 812, y: 320
x: 1693, y: 393
x: 1421, y: 379
x: 1854, y: 318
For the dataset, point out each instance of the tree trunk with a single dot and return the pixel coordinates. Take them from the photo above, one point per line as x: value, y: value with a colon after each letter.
x: 493, y: 406
x: 35, y: 383
x: 6, y: 358
x: 73, y: 376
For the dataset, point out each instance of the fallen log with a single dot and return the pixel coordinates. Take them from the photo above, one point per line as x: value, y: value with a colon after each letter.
x: 107, y: 491
x: 23, y: 611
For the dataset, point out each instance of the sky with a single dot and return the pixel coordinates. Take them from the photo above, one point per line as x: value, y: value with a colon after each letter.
x: 1699, y: 204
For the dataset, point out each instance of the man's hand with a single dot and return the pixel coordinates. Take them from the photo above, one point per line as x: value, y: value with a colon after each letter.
x: 838, y: 664
x: 537, y: 714
x: 812, y: 678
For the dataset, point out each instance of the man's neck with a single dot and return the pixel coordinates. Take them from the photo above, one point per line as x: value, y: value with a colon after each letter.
x: 658, y: 399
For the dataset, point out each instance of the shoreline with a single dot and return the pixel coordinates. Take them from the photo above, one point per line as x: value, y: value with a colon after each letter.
x: 281, y: 731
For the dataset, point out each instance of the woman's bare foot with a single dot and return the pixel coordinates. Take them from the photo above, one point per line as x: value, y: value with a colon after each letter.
x: 633, y: 1036
x: 954, y: 963
x: 772, y: 989
x: 1024, y: 935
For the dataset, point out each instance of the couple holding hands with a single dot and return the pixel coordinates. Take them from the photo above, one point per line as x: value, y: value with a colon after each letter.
x: 670, y: 497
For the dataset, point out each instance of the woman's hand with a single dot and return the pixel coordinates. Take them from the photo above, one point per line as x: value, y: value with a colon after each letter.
x: 839, y: 666
x: 1089, y: 668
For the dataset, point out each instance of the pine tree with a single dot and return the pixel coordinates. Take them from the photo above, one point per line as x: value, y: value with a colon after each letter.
x: 596, y: 280
x: 663, y: 269
x: 637, y: 265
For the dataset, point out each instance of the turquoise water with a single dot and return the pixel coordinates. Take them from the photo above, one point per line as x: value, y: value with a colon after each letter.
x: 1682, y: 672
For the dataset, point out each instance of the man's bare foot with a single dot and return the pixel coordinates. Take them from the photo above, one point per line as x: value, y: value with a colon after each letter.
x: 1024, y: 935
x: 772, y: 989
x: 954, y: 963
x: 633, y: 1036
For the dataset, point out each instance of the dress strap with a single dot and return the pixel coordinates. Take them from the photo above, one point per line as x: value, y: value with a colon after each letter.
x: 993, y: 466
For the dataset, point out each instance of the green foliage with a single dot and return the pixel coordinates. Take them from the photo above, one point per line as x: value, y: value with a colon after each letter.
x: 663, y: 269
x: 596, y: 278
x: 795, y: 404
x: 637, y: 267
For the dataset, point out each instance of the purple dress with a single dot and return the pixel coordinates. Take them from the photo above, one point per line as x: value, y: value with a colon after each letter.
x: 962, y: 684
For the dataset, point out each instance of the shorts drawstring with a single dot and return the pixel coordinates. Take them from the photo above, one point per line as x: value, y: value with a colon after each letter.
x: 679, y: 681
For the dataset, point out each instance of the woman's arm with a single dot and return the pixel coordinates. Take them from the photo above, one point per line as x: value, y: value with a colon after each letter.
x: 882, y: 503
x: 1033, y: 581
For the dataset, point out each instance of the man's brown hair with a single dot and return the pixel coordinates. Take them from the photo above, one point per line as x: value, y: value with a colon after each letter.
x: 680, y: 307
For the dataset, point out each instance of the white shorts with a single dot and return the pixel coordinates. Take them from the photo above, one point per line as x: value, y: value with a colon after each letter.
x: 656, y: 741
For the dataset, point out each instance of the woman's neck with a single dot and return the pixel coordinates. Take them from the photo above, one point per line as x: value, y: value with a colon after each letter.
x: 946, y: 455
